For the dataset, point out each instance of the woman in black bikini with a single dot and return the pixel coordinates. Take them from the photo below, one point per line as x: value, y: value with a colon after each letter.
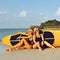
x: 27, y: 42
x: 39, y: 39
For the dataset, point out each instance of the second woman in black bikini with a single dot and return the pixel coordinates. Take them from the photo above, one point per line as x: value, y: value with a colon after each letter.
x: 38, y: 39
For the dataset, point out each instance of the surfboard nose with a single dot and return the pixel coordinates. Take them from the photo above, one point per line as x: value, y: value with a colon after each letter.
x: 6, y: 41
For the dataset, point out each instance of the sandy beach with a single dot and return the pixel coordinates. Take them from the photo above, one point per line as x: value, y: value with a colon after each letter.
x: 32, y: 54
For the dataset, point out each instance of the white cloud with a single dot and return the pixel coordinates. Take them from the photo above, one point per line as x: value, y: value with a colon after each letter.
x: 58, y: 12
x: 45, y: 18
x: 23, y: 13
x: 41, y: 14
x: 3, y: 12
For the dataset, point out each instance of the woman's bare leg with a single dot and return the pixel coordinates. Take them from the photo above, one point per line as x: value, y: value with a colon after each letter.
x: 11, y: 48
x: 15, y: 46
x: 49, y: 45
x: 37, y: 45
x: 20, y: 44
x: 26, y: 44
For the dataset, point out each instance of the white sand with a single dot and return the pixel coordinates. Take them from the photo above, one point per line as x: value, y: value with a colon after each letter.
x: 32, y: 54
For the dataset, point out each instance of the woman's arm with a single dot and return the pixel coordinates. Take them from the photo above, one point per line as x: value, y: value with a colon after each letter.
x: 34, y: 39
x: 42, y: 37
x: 42, y: 43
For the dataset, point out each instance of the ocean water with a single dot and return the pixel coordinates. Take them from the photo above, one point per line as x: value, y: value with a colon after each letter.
x: 5, y: 32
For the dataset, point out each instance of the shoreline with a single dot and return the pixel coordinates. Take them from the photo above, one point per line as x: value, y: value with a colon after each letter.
x: 32, y: 54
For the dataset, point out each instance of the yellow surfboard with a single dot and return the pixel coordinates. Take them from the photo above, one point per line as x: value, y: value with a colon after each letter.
x: 11, y: 40
x: 56, y: 36
x: 51, y: 36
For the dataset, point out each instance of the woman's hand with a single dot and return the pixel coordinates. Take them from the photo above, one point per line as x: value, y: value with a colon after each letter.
x: 42, y: 43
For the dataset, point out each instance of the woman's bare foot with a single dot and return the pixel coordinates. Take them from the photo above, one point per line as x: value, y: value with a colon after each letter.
x: 9, y: 49
x: 17, y: 48
x: 40, y: 49
x: 53, y: 47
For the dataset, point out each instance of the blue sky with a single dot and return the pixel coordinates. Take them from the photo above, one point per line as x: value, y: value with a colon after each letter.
x: 24, y: 13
